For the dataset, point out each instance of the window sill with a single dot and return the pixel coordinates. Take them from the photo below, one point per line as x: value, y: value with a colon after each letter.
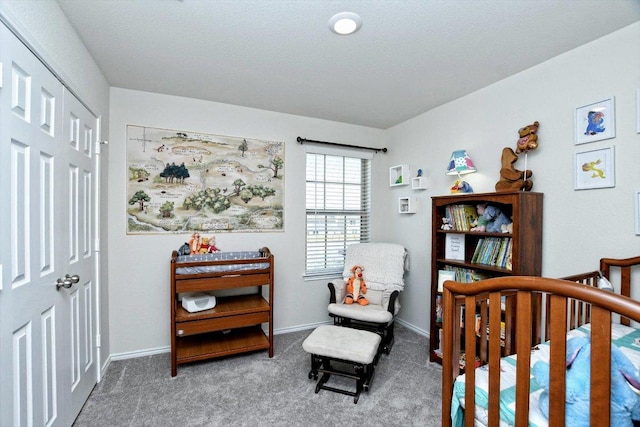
x: 323, y: 277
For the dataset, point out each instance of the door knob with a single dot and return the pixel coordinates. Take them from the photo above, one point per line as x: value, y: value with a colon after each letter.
x: 67, y: 282
x: 74, y: 279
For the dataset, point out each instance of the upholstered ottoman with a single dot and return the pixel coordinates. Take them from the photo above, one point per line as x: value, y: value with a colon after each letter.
x: 347, y: 346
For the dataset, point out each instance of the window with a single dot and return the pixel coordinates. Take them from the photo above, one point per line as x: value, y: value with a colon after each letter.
x: 337, y: 209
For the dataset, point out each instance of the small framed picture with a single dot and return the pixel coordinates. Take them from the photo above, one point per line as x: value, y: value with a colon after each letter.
x: 595, y: 169
x: 595, y: 122
x: 637, y: 204
x: 638, y: 111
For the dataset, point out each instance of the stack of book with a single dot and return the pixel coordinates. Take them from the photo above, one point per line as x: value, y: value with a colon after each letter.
x: 459, y: 274
x: 461, y: 217
x: 494, y: 251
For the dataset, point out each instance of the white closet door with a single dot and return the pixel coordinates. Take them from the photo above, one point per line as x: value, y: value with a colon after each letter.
x: 77, y: 247
x: 46, y: 195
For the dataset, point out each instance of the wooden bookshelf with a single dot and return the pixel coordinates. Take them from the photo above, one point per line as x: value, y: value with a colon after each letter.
x: 525, y: 241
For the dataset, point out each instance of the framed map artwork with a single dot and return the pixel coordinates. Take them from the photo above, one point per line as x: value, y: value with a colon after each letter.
x: 182, y: 182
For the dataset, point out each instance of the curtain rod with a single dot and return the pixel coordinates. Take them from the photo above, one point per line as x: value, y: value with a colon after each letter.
x: 303, y: 140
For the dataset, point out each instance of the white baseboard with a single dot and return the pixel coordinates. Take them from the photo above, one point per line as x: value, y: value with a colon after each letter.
x: 413, y: 328
x: 159, y: 350
x: 140, y: 353
x: 300, y: 327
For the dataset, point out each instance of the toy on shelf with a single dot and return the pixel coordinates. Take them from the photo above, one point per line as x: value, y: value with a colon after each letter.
x: 446, y: 224
x: 507, y: 228
x: 184, y: 249
x: 479, y: 224
x: 194, y: 243
x: 204, y: 246
x: 528, y: 138
x: 492, y: 218
x: 511, y: 178
x: 198, y: 245
x: 461, y: 186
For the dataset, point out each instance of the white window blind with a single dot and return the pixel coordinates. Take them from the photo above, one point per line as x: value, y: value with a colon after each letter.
x: 337, y: 210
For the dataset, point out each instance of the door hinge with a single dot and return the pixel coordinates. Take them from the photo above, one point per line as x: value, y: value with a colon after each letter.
x: 98, y: 341
x: 96, y: 245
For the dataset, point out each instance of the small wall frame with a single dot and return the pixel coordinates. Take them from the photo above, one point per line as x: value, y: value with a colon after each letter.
x: 638, y: 111
x: 595, y: 169
x: 637, y: 205
x: 399, y: 175
x: 595, y: 122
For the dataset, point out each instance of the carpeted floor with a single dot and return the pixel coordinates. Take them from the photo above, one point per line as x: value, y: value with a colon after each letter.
x: 253, y: 390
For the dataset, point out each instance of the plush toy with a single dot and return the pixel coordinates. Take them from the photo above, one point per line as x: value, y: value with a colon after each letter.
x: 493, y: 216
x: 461, y: 186
x: 356, y: 288
x: 194, y: 243
x: 212, y: 245
x: 204, y: 246
x: 511, y: 178
x: 184, y: 249
x: 528, y: 138
x: 446, y: 224
x: 479, y: 224
x: 507, y: 228
x: 625, y: 403
x: 207, y: 245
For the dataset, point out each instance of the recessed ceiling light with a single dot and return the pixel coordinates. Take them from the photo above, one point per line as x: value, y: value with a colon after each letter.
x: 345, y: 23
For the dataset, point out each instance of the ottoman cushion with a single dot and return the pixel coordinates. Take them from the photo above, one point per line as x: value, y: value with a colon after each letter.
x: 343, y: 343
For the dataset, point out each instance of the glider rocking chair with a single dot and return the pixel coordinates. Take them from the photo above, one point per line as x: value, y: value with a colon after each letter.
x: 383, y: 266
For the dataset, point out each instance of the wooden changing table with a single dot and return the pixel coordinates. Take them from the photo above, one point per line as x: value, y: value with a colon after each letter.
x: 235, y: 324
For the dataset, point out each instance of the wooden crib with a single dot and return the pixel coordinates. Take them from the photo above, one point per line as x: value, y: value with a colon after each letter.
x: 527, y: 305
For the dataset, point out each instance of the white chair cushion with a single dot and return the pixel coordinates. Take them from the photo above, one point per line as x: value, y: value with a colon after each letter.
x: 369, y: 313
x: 342, y: 343
x: 376, y: 298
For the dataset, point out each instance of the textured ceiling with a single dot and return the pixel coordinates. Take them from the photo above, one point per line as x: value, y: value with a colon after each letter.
x: 408, y: 57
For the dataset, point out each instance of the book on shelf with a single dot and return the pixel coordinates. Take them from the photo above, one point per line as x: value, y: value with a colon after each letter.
x: 454, y: 247
x: 477, y: 250
x: 462, y: 216
x: 493, y: 251
x: 470, y: 215
x: 439, y: 308
x: 508, y: 264
x: 466, y: 275
x: 444, y: 275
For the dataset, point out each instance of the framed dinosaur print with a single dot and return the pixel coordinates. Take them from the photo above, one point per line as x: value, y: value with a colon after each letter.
x: 595, y: 169
x: 595, y: 122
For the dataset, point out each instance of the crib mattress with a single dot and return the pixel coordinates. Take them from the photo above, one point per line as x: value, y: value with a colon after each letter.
x: 624, y: 337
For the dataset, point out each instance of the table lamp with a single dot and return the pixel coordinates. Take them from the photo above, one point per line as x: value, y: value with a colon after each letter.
x: 460, y: 164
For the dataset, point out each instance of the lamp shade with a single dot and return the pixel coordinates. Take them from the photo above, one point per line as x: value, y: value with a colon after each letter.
x: 460, y: 163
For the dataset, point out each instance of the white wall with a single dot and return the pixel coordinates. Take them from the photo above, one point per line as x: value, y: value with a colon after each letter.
x: 580, y: 227
x: 139, y: 265
x: 47, y: 30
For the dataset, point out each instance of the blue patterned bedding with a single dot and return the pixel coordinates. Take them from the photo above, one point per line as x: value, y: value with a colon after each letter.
x: 221, y: 256
x: 624, y: 337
